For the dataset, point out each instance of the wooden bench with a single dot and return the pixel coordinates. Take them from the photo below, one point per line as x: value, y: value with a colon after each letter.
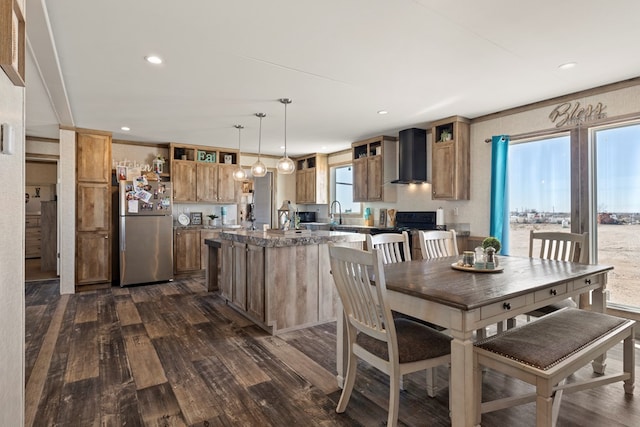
x: 545, y: 352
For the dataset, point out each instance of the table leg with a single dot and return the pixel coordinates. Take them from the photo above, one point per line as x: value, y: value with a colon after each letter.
x: 599, y: 304
x: 463, y: 403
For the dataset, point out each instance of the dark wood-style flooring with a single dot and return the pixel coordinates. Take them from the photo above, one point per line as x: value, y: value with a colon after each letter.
x: 176, y: 355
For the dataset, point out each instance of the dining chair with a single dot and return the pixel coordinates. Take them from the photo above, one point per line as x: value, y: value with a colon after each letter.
x: 394, y: 346
x: 558, y: 246
x: 393, y: 247
x: 437, y: 243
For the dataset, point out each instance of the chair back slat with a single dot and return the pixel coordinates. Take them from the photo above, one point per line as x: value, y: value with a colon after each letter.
x: 560, y: 246
x: 394, y: 247
x: 363, y: 301
x: 438, y: 244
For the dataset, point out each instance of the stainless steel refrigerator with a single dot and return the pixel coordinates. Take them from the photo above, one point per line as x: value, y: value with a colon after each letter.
x: 146, y: 232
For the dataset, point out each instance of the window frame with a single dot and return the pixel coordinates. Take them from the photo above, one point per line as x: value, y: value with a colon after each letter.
x: 332, y: 189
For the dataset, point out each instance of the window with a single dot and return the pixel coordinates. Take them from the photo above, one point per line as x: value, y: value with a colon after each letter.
x: 616, y: 208
x: 342, y: 188
x: 539, y: 189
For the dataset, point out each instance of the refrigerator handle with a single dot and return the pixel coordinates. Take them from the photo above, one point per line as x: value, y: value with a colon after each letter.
x: 123, y: 243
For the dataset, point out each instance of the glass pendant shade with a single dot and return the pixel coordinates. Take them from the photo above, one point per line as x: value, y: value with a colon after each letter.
x: 285, y: 164
x: 258, y: 169
x: 239, y: 174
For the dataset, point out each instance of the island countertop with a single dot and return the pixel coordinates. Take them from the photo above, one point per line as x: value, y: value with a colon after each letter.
x: 272, y: 240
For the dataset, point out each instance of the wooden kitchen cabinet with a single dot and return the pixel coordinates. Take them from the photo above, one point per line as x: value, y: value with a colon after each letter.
x: 186, y: 250
x: 183, y: 176
x: 203, y: 174
x: 374, y: 167
x: 255, y: 281
x: 93, y: 157
x: 239, y: 289
x: 242, y: 277
x: 312, y: 179
x: 32, y: 236
x: 450, y: 161
x: 227, y: 186
x: 93, y: 210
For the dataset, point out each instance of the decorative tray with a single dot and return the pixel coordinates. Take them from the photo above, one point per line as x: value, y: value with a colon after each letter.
x: 456, y: 266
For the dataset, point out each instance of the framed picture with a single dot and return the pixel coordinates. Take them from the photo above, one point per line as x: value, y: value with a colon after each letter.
x: 228, y: 159
x: 247, y: 187
x: 196, y: 218
x: 383, y: 218
x: 121, y: 172
x: 12, y: 41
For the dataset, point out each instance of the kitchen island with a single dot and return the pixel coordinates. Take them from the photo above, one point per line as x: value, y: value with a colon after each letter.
x: 281, y: 282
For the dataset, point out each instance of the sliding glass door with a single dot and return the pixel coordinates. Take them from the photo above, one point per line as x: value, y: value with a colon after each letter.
x: 616, y: 209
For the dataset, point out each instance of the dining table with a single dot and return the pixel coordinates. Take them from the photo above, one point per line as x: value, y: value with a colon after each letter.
x: 464, y: 301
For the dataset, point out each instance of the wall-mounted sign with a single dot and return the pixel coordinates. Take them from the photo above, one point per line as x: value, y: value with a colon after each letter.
x: 570, y: 113
x: 204, y: 156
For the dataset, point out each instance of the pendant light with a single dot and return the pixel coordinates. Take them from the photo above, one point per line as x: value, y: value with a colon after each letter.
x: 239, y: 174
x: 285, y: 164
x: 258, y: 169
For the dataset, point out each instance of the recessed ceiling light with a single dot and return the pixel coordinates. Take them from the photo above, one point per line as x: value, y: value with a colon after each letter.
x: 153, y: 59
x: 125, y: 128
x: 383, y: 112
x: 567, y: 65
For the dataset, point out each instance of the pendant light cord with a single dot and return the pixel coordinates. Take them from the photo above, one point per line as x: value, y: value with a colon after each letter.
x: 285, y: 129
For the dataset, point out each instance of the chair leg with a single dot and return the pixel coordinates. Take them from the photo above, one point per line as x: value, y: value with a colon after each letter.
x: 628, y: 363
x: 544, y: 411
x: 432, y: 389
x: 352, y: 364
x: 394, y: 399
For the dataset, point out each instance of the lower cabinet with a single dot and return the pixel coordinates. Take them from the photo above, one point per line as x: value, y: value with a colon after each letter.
x: 93, y: 259
x: 186, y: 251
x: 242, y: 277
x: 280, y: 288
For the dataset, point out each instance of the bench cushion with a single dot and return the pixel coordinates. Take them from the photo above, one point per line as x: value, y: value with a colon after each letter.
x: 548, y: 341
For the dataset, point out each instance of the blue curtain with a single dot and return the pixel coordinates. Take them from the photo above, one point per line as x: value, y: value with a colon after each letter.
x: 499, y: 222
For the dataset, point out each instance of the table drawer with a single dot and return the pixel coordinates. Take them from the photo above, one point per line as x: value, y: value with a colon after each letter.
x: 583, y: 283
x: 545, y: 294
x: 503, y: 306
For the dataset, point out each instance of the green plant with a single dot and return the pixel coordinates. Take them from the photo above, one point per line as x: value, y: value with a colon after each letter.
x: 491, y: 242
x: 212, y: 216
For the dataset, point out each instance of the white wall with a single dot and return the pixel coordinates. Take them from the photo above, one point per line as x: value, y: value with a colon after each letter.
x: 67, y: 211
x: 12, y: 324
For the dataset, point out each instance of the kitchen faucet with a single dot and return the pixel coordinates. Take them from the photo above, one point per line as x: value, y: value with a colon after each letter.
x: 339, y: 212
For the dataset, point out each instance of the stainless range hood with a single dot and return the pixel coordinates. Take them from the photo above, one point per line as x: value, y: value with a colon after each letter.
x: 412, y: 156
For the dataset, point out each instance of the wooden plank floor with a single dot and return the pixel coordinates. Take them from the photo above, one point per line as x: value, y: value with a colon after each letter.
x: 176, y: 355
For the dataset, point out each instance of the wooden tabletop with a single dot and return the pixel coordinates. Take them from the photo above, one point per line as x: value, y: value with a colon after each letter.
x: 436, y: 280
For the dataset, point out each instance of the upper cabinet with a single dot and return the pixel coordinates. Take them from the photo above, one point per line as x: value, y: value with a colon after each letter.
x: 374, y: 167
x: 203, y: 174
x: 450, y: 162
x: 312, y: 179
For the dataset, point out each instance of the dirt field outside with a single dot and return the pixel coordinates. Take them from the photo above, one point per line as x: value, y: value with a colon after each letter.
x: 618, y: 245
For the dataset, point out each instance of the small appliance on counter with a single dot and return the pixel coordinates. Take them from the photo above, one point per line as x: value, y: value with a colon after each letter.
x: 146, y: 232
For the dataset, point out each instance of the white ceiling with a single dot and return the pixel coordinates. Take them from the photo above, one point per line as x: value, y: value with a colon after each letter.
x: 339, y: 60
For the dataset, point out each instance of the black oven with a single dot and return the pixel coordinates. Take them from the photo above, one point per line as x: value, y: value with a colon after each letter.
x: 411, y: 222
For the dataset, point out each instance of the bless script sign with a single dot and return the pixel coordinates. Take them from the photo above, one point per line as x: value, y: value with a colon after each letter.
x: 572, y: 113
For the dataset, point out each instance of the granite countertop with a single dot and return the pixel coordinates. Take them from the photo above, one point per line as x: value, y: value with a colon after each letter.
x: 273, y: 240
x: 177, y: 226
